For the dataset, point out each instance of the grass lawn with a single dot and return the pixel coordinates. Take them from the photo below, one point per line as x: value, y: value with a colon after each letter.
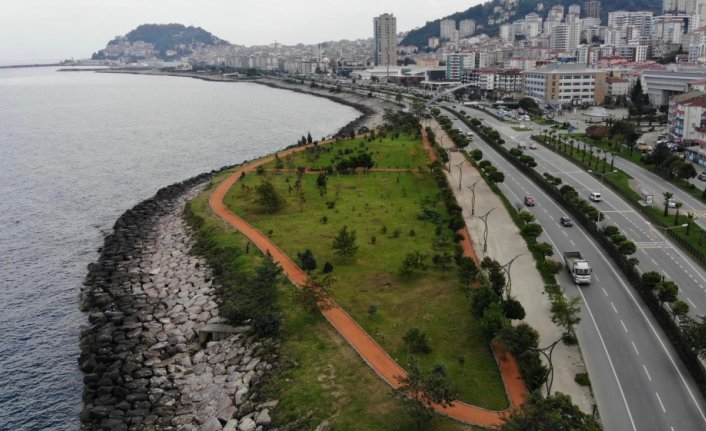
x: 329, y: 380
x: 404, y: 152
x: 379, y: 204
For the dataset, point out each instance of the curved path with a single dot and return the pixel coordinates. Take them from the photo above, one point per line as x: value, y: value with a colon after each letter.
x: 364, y: 345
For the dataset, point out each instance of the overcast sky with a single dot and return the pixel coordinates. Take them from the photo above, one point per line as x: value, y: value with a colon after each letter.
x: 32, y: 30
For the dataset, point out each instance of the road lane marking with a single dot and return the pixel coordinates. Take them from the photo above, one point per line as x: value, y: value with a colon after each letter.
x: 572, y: 242
x: 635, y: 347
x: 614, y: 309
x: 691, y: 302
x: 660, y: 402
x: 565, y: 234
x: 605, y: 291
x: 654, y: 261
x: 624, y: 327
x: 647, y: 372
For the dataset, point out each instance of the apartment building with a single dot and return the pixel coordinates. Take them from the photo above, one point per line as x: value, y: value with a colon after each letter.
x: 385, y: 40
x: 564, y: 84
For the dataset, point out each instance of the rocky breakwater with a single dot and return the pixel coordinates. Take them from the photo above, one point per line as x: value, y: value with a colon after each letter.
x: 147, y: 299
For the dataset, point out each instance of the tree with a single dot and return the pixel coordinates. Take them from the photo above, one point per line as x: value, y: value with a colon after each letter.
x: 493, y: 320
x: 315, y: 293
x: 529, y: 105
x: 477, y: 155
x: 466, y: 270
x: 306, y: 260
x: 689, y: 220
x: 545, y: 249
x: 413, y: 262
x: 268, y: 198
x: 496, y: 177
x: 532, y: 229
x: 308, y: 138
x: 667, y: 291
x: 416, y: 341
x: 638, y: 98
x: 513, y: 309
x: 344, y: 243
x: 526, y: 216
x: 555, y: 413
x: 481, y: 299
x: 321, y: 181
x: 650, y: 280
x: 626, y: 248
x: 566, y: 313
x: 677, y: 206
x: 418, y: 391
x: 695, y: 333
x: 667, y: 196
x: 680, y: 309
x: 442, y: 261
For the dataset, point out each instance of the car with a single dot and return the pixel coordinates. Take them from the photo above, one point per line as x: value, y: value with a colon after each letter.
x: 595, y: 197
x: 566, y: 221
x: 702, y: 177
x: 529, y: 201
x: 671, y: 203
x: 522, y: 145
x: 533, y: 146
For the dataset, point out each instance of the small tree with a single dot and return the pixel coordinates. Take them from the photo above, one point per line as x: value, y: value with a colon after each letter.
x: 413, y: 262
x: 307, y: 260
x: 626, y: 248
x: 513, y: 309
x: 667, y: 291
x: 566, y: 313
x: 419, y: 391
x: 466, y: 270
x: 493, y: 320
x: 680, y: 309
x: 477, y: 155
x: 556, y: 413
x: 545, y: 249
x: 416, y: 341
x: 268, y: 197
x: 667, y: 196
x: 526, y: 216
x: 344, y: 243
x: 532, y: 229
x: 314, y: 295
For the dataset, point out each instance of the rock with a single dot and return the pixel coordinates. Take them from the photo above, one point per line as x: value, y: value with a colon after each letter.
x: 225, y: 409
x: 231, y: 425
x: 211, y: 424
x: 263, y: 418
x: 323, y: 426
x: 247, y: 424
x: 240, y: 395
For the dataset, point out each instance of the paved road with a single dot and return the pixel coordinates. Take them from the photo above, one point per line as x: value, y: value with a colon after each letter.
x: 638, y: 379
x: 655, y: 252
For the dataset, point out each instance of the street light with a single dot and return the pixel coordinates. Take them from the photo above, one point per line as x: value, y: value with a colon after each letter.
x: 665, y: 228
x: 484, y: 218
x: 506, y: 267
x: 460, y: 173
x: 598, y: 215
x: 473, y: 196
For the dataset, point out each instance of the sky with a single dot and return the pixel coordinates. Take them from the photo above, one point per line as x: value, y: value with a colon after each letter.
x: 37, y: 30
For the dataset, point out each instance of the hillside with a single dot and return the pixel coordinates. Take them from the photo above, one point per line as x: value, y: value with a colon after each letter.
x: 497, y: 12
x: 167, y: 40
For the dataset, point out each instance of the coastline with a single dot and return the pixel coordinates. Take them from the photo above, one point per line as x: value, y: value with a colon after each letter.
x: 371, y: 108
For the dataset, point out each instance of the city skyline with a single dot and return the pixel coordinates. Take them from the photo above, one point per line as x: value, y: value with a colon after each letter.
x: 77, y: 28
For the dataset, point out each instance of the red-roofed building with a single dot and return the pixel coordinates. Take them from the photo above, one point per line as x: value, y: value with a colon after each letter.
x: 687, y: 118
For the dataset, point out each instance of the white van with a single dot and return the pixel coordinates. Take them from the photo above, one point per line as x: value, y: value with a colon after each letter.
x: 595, y: 197
x: 522, y: 145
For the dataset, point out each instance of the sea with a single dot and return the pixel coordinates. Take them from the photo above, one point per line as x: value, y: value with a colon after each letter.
x: 77, y: 149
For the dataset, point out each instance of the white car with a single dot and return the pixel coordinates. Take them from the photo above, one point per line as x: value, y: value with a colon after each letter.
x: 671, y: 203
x: 595, y: 197
x: 533, y: 145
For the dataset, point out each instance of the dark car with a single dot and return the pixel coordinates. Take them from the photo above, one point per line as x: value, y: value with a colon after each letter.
x: 529, y: 201
x: 702, y: 176
x: 566, y: 221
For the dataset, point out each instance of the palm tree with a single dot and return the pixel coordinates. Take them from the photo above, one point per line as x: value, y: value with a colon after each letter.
x: 689, y: 219
x: 676, y: 214
x: 667, y: 197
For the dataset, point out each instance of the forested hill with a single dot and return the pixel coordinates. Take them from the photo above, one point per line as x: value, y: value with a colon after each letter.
x: 490, y: 15
x: 169, y: 36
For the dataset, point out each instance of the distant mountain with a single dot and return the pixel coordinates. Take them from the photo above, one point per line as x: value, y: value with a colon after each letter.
x: 491, y: 14
x: 166, y: 40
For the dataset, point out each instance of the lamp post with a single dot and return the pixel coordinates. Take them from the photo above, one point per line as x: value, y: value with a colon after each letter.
x: 506, y: 267
x: 484, y: 218
x: 473, y: 196
x: 460, y: 173
x: 665, y: 228
x: 598, y: 215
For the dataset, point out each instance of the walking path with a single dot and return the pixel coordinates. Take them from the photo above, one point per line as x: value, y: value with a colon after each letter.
x: 371, y: 352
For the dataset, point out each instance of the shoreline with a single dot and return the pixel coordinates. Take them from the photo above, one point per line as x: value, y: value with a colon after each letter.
x: 371, y: 108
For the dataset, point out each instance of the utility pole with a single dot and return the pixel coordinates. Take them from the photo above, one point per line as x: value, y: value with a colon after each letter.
x: 473, y: 196
x: 484, y: 218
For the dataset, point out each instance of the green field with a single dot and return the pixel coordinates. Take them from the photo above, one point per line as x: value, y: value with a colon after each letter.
x: 329, y: 380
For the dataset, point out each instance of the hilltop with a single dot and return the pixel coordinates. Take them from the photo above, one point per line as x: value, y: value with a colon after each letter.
x: 164, y: 41
x: 490, y: 15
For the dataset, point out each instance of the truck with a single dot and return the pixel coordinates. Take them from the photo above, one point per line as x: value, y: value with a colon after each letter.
x: 578, y: 267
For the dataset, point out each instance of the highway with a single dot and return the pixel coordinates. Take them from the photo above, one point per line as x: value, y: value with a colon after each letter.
x: 637, y: 378
x: 655, y: 252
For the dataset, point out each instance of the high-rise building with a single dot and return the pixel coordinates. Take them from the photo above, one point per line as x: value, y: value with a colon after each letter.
x: 592, y: 8
x: 466, y: 27
x: 507, y: 32
x: 574, y: 9
x: 565, y: 37
x: 641, y: 19
x: 447, y: 26
x: 385, y: 40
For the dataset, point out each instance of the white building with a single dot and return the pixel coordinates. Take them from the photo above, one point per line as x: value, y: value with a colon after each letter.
x: 565, y: 37
x: 507, y: 32
x: 385, y: 40
x: 447, y: 26
x: 566, y: 84
x: 466, y: 27
x: 641, y: 19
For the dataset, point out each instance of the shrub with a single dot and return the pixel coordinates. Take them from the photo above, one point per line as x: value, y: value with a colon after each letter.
x: 416, y: 341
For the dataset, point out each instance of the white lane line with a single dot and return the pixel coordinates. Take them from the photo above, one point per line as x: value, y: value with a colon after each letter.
x: 614, y: 309
x: 545, y: 210
x: 565, y: 234
x: 654, y: 261
x: 635, y: 347
x: 647, y: 372
x: 624, y: 327
x: 691, y: 302
x: 597, y: 279
x: 660, y: 403
x: 605, y: 291
x: 572, y: 242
